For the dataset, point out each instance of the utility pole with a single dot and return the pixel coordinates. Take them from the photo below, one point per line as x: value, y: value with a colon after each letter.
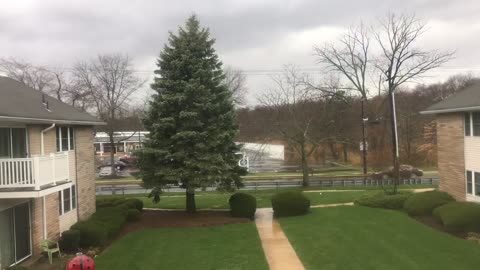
x: 395, y: 154
x: 364, y: 139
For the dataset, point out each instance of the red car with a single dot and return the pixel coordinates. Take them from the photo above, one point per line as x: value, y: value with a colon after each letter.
x: 129, y: 160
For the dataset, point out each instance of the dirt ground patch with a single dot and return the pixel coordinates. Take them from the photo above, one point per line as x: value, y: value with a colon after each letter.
x: 180, y: 219
x: 437, y: 225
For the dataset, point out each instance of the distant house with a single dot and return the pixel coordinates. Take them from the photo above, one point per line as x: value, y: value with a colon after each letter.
x: 125, y: 142
x: 458, y: 141
x: 46, y: 169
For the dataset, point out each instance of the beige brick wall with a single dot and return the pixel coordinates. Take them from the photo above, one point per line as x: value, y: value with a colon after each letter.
x: 85, y: 171
x: 53, y: 226
x: 34, y: 138
x: 451, y: 154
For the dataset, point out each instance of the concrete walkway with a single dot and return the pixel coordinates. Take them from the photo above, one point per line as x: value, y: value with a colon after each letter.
x: 280, y: 254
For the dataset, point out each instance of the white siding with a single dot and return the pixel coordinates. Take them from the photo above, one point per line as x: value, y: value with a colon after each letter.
x: 67, y: 220
x: 472, y: 153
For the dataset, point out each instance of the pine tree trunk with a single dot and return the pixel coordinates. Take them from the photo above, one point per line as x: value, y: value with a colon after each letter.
x: 191, y: 206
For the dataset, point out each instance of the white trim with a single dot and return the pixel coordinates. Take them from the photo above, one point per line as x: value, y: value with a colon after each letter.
x: 34, y: 194
x: 471, y: 198
x: 464, y: 109
x: 51, y: 121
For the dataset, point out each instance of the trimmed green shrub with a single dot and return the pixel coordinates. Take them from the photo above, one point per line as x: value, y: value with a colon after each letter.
x: 113, y: 218
x: 423, y: 203
x: 70, y: 241
x: 382, y: 200
x: 92, y: 233
x: 290, y: 203
x: 109, y: 202
x: 243, y: 205
x: 133, y: 215
x: 134, y: 203
x: 459, y: 216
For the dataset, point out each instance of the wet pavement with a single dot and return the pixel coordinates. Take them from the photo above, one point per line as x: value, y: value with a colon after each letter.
x: 278, y: 250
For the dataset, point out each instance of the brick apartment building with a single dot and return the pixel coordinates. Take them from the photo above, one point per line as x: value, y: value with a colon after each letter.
x: 458, y: 142
x: 46, y: 169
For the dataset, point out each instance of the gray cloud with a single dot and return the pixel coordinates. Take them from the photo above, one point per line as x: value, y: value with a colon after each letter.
x: 57, y: 32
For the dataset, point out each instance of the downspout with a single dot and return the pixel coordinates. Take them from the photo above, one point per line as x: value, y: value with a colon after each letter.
x: 42, y: 151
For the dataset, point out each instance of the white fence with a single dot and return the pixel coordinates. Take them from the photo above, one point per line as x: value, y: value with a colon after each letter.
x: 34, y: 172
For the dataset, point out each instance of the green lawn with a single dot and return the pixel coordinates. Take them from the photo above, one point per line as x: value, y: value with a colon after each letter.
x: 345, y: 238
x: 232, y: 247
x: 217, y: 200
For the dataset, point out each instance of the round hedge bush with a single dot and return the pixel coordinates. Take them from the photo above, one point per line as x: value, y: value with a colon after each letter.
x: 382, y: 200
x: 290, y: 203
x: 135, y: 203
x: 243, y: 205
x: 70, y: 241
x: 423, y: 203
x: 133, y: 215
x: 92, y: 233
x: 459, y: 216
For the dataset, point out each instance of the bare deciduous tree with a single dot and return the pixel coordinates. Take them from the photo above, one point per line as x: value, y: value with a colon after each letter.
x: 292, y: 104
x: 400, y: 61
x: 350, y: 58
x: 235, y: 81
x: 110, y: 81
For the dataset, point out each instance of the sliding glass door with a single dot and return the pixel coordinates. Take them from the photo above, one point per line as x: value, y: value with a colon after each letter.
x: 22, y: 231
x: 13, y: 142
x: 15, y: 235
x: 7, y: 239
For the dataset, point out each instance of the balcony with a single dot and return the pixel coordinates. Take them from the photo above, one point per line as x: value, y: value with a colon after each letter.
x: 33, y: 175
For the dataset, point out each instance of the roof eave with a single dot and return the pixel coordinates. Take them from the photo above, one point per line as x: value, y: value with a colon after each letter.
x: 51, y: 121
x: 452, y: 110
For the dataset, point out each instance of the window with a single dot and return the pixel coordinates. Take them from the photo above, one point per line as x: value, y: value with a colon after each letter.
x: 477, y: 184
x: 467, y: 124
x: 469, y: 182
x: 476, y: 123
x: 67, y: 200
x: 74, y: 197
x: 65, y: 139
x: 13, y: 143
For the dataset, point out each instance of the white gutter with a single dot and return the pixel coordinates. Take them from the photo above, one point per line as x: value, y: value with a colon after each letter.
x: 42, y: 151
x: 463, y: 109
x: 42, y: 148
x: 48, y: 121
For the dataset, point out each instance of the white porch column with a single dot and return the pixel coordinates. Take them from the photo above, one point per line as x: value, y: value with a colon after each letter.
x: 101, y: 148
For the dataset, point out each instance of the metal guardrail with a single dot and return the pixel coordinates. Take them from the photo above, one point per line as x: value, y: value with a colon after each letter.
x: 322, y: 182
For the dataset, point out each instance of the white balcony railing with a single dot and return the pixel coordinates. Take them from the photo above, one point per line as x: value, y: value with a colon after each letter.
x: 35, y: 172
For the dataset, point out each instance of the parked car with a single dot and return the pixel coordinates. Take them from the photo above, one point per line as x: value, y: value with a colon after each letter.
x: 119, y: 165
x: 129, y: 160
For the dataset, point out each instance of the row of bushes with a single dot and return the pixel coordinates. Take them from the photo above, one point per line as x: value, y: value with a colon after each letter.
x: 290, y: 203
x: 417, y: 204
x: 455, y: 216
x: 111, y: 215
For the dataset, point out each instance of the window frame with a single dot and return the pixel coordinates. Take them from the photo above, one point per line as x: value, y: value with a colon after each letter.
x: 468, y: 125
x: 72, y: 200
x: 469, y: 183
x: 70, y: 137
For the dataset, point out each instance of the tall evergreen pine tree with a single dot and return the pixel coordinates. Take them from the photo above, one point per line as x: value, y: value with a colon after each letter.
x: 191, y: 118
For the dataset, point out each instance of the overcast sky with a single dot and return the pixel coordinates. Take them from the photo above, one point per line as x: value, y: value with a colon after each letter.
x: 253, y: 35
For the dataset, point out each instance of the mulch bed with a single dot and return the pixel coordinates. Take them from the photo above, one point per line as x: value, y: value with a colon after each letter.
x: 437, y: 225
x: 180, y: 219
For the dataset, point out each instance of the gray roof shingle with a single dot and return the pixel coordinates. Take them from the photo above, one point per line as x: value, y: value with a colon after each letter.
x: 467, y: 99
x: 19, y: 102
